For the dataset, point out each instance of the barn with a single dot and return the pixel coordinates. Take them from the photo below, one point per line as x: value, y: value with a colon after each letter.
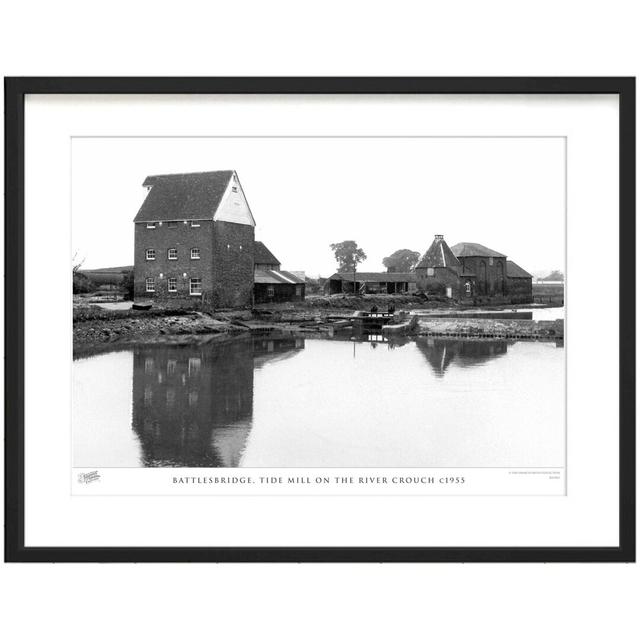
x: 263, y: 258
x: 270, y: 282
x: 519, y: 283
x: 473, y: 273
x: 372, y: 282
x: 277, y: 286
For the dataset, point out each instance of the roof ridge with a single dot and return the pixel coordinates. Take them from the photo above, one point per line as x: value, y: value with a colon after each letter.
x: 471, y: 249
x: 189, y: 173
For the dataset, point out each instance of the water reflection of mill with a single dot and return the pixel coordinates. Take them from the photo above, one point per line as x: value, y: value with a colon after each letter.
x: 193, y: 406
x: 441, y: 353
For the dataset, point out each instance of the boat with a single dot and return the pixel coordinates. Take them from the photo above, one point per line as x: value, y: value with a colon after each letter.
x: 142, y: 306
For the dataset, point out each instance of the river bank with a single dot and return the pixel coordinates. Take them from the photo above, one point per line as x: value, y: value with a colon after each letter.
x: 491, y: 328
x: 100, y: 328
x: 95, y: 324
x: 97, y: 329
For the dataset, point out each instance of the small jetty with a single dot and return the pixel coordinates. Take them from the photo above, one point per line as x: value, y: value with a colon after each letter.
x: 371, y: 320
x: 406, y: 326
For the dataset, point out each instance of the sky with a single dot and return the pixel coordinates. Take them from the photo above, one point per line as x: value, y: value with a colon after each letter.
x: 306, y: 193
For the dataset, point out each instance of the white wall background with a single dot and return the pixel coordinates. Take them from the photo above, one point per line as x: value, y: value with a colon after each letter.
x: 331, y: 38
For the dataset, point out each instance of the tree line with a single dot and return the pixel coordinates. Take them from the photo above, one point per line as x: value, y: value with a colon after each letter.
x: 349, y: 255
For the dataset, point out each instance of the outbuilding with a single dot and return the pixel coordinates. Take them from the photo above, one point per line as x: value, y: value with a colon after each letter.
x: 372, y: 282
x: 277, y: 286
x: 471, y: 272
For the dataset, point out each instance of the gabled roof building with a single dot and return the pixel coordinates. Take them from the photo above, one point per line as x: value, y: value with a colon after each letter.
x: 194, y: 243
x: 263, y: 258
x: 271, y: 283
x: 194, y: 240
x: 470, y: 272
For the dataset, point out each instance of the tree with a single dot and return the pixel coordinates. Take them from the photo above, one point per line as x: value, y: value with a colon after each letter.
x: 76, y: 263
x: 348, y: 256
x: 401, y: 261
x: 81, y: 282
x: 555, y: 276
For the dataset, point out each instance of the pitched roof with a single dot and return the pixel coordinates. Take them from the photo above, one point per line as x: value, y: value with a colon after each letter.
x: 271, y: 276
x: 371, y: 276
x: 514, y: 271
x: 470, y: 249
x: 438, y: 255
x: 183, y: 196
x: 262, y: 255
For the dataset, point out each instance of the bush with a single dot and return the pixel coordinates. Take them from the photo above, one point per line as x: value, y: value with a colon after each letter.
x: 82, y: 284
x: 127, y: 285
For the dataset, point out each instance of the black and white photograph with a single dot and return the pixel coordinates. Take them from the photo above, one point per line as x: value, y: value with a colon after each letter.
x: 319, y: 302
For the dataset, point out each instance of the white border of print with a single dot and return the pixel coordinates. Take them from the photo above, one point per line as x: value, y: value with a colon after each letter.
x: 321, y: 481
x: 586, y: 516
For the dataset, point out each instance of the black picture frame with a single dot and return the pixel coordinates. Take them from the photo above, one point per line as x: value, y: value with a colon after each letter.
x: 15, y: 91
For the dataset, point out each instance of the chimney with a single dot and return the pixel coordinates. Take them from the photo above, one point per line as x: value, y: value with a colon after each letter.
x: 439, y: 237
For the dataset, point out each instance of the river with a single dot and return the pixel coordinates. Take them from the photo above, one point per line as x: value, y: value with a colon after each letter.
x: 293, y: 402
